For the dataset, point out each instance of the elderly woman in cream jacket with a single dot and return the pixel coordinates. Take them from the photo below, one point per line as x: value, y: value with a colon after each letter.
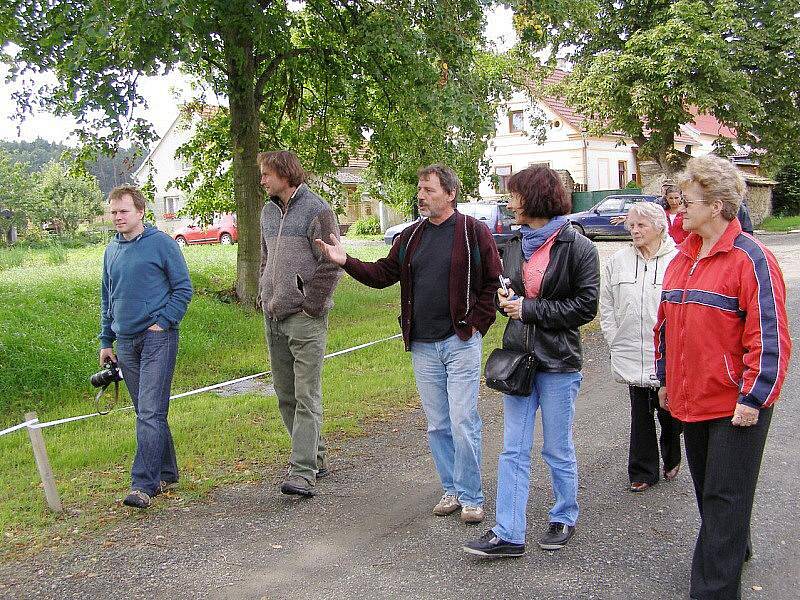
x: 629, y: 299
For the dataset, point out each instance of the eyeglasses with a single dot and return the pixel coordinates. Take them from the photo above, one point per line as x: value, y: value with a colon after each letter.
x: 685, y: 203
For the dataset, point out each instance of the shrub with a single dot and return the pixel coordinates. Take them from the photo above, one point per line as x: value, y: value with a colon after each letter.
x: 786, y: 195
x: 367, y: 226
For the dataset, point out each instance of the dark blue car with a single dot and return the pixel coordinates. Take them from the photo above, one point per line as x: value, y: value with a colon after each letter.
x: 596, y: 222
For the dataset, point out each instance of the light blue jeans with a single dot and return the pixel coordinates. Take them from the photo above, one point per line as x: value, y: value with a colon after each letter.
x: 448, y: 374
x: 555, y: 394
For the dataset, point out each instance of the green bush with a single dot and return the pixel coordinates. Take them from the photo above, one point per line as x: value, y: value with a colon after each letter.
x: 786, y: 195
x: 367, y: 226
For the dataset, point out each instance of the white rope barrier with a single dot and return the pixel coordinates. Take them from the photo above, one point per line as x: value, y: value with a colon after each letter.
x: 34, y: 424
x: 20, y: 426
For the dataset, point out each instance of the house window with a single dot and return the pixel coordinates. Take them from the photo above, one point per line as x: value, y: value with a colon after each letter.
x: 516, y: 121
x: 182, y: 165
x: 502, y: 173
x: 622, y: 169
x: 688, y: 149
x: 170, y: 206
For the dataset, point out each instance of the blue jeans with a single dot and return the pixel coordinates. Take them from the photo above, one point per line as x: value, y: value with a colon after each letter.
x: 555, y: 394
x: 147, y: 361
x: 448, y: 374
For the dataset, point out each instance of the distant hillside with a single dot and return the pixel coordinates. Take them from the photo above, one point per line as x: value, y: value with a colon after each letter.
x: 109, y: 171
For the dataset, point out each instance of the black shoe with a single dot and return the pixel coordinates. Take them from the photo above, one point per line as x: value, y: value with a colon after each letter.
x: 297, y: 486
x: 323, y: 472
x: 557, y: 536
x: 137, y: 499
x: 491, y: 545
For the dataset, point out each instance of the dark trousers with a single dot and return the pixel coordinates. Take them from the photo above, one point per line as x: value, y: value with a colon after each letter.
x: 147, y: 361
x: 724, y: 461
x: 644, y: 445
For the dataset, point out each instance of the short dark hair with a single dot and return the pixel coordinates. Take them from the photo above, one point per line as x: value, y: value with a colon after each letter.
x: 447, y: 178
x: 139, y: 201
x: 672, y: 189
x: 543, y: 194
x: 284, y: 164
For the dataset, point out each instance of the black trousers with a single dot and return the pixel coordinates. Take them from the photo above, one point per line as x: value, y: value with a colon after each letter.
x: 724, y: 461
x: 643, y: 453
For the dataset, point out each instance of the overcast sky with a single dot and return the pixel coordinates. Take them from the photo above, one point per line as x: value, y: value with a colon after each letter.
x: 165, y: 94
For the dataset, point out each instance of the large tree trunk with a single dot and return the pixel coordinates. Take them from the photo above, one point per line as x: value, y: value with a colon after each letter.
x: 246, y: 188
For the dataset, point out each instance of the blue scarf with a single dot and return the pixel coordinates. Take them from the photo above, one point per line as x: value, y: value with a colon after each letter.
x: 532, y: 239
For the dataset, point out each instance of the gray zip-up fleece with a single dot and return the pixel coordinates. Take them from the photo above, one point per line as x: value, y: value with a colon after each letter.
x: 294, y: 275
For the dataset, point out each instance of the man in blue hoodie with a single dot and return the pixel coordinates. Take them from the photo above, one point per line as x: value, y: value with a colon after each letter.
x: 144, y: 294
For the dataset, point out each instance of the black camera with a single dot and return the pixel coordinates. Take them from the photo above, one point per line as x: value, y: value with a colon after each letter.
x: 110, y: 373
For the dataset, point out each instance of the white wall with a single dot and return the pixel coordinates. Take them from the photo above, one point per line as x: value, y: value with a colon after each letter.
x: 563, y: 149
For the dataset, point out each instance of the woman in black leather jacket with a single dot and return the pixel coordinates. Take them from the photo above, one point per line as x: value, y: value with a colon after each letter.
x: 559, y: 272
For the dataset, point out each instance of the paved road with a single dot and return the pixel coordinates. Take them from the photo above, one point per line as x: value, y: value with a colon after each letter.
x: 370, y: 533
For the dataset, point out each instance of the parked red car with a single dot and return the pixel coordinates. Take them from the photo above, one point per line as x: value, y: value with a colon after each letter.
x: 222, y: 230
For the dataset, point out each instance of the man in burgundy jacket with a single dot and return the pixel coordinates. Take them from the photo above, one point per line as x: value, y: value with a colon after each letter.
x: 448, y: 269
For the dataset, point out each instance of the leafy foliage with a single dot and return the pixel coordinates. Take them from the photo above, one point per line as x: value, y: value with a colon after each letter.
x: 321, y: 77
x: 638, y: 68
x: 15, y: 192
x: 786, y: 195
x: 64, y: 200
x: 110, y: 171
x: 367, y: 226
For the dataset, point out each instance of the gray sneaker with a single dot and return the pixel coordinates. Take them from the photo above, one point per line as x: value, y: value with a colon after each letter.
x: 294, y: 485
x: 447, y: 505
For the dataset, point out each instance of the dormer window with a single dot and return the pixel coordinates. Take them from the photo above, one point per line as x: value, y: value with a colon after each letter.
x: 516, y: 121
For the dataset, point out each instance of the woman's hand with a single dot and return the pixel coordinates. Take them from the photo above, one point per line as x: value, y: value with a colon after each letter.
x: 663, y: 401
x: 744, y: 416
x: 513, y: 308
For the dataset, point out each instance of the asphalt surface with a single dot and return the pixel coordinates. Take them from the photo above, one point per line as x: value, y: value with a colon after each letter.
x: 370, y: 532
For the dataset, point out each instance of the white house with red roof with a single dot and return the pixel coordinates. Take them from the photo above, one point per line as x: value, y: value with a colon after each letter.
x: 594, y: 162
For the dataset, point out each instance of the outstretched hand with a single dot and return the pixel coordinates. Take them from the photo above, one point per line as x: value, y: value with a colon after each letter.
x: 333, y: 252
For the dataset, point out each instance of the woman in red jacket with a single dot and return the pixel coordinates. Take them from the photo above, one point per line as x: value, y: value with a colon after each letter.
x: 722, y: 349
x: 673, y: 208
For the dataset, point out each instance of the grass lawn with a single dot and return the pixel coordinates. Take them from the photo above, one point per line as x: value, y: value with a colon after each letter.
x: 780, y: 223
x: 49, y: 301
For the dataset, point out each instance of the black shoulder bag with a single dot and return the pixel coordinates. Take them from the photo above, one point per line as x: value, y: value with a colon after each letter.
x: 511, y: 371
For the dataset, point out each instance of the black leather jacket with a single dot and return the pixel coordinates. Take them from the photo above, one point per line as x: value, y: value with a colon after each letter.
x: 567, y: 300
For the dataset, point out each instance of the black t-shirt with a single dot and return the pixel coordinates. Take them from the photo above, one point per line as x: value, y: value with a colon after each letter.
x: 430, y: 273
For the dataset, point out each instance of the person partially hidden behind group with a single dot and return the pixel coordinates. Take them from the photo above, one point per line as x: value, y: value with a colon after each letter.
x: 629, y: 300
x: 558, y: 273
x: 722, y: 350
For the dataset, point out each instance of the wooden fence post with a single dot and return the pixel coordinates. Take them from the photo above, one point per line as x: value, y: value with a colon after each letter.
x: 43, y: 464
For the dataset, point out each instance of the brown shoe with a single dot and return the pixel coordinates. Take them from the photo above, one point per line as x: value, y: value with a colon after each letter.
x: 471, y: 515
x: 447, y: 505
x: 638, y: 486
x: 672, y: 473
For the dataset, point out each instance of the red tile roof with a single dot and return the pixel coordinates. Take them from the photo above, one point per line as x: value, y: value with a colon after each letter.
x: 708, y: 124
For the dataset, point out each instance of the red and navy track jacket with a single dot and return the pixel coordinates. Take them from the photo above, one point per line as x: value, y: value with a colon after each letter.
x: 722, y: 335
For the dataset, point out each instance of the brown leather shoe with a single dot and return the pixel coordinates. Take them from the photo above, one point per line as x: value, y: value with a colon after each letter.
x: 638, y: 486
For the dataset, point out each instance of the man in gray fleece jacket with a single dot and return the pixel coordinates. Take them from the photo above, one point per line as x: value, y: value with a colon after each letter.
x: 296, y: 289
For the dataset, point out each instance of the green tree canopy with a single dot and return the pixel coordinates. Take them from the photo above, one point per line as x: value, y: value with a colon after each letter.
x: 15, y: 191
x: 313, y: 76
x: 64, y: 200
x: 640, y: 67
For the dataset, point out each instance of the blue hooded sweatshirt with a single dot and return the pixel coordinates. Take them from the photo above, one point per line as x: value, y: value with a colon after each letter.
x: 145, y: 282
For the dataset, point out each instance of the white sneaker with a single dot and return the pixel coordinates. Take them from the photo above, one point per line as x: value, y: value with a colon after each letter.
x: 472, y: 515
x: 446, y: 506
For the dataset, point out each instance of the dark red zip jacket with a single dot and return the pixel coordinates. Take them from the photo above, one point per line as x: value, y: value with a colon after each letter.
x: 474, y: 275
x: 722, y: 335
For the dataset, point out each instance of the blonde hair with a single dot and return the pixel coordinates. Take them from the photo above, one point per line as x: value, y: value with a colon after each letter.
x: 139, y: 201
x: 653, y: 212
x: 720, y: 180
